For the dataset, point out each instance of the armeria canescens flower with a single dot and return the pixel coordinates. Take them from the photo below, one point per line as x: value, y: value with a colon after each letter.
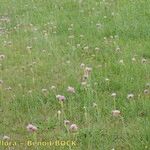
x: 130, y: 96
x: 71, y: 89
x: 31, y: 128
x: 61, y: 97
x: 73, y: 128
x: 116, y: 113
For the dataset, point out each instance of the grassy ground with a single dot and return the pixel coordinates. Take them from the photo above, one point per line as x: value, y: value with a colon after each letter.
x: 44, y: 42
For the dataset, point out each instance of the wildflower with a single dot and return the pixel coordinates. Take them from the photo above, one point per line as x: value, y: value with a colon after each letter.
x: 68, y: 61
x: 30, y: 91
x: 88, y: 70
x: 82, y: 65
x: 66, y: 122
x: 144, y: 60
x: 72, y: 25
x: 81, y: 36
x: 53, y: 87
x: 116, y: 113
x: 94, y: 105
x: 73, y: 128
x: 2, y: 57
x: 86, y: 48
x: 146, y: 91
x: 29, y: 47
x: 113, y: 94
x: 112, y: 13
x: 85, y: 77
x: 5, y: 137
x: 31, y: 128
x: 78, y: 45
x: 43, y: 50
x: 133, y: 59
x: 60, y: 97
x: 59, y: 112
x: 111, y: 37
x: 44, y: 90
x: 121, y: 61
x: 105, y: 38
x: 71, y: 89
x: 118, y: 48
x: 106, y: 79
x: 96, y: 48
x: 130, y: 96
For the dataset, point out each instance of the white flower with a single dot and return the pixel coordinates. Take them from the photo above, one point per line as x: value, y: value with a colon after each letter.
x: 106, y: 79
x: 58, y: 112
x: 82, y: 65
x: 94, y: 105
x: 66, y: 122
x: 73, y: 128
x: 121, y: 61
x: 116, y: 113
x: 5, y: 137
x: 113, y: 94
x: 133, y: 59
x: 130, y: 96
x: 146, y: 91
x: 2, y: 57
x: 71, y: 89
x: 44, y: 90
x: 53, y: 87
x: 144, y: 60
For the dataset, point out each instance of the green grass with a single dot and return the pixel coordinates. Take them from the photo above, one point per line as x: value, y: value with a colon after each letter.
x: 54, y: 29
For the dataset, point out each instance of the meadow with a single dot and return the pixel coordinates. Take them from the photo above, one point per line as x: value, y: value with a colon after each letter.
x: 77, y: 71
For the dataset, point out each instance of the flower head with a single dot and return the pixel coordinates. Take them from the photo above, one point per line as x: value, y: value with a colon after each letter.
x: 116, y: 113
x: 2, y: 57
x: 94, y: 105
x: 144, y: 60
x: 66, y: 122
x: 73, y: 128
x: 82, y: 65
x: 71, y: 89
x: 31, y: 128
x: 61, y: 97
x: 130, y: 96
x: 113, y: 94
x: 5, y: 137
x: 146, y: 91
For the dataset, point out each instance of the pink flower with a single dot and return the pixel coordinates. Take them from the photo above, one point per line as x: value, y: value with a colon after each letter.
x: 60, y: 97
x: 31, y: 128
x: 116, y: 113
x: 71, y: 89
x: 73, y: 128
